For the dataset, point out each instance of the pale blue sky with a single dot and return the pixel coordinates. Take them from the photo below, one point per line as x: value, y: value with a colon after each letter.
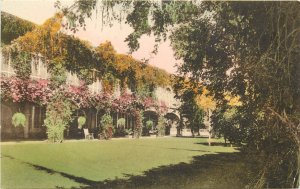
x: 38, y: 11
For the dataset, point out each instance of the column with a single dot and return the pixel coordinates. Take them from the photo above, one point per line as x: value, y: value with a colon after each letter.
x: 28, y: 111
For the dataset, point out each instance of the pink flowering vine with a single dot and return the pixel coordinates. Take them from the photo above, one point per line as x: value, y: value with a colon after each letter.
x: 39, y: 92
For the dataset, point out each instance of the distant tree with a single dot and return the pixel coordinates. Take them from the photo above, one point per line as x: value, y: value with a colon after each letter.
x: 188, y: 93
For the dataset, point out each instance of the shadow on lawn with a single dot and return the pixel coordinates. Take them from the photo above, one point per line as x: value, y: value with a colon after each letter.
x: 188, y: 150
x: 223, y: 170
x: 219, y: 144
x: 80, y: 180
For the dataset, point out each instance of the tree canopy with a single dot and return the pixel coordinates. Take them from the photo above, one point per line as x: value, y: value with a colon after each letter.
x: 246, y: 49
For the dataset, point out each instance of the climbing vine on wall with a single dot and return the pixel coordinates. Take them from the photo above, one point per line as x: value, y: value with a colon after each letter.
x: 21, y: 62
x: 138, y: 115
x: 58, y: 116
x: 62, y: 54
x: 39, y: 92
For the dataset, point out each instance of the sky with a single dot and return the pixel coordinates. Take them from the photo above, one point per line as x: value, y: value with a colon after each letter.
x: 37, y: 11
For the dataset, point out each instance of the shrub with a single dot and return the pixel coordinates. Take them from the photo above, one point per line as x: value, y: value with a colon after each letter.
x: 81, y: 121
x: 107, y: 127
x: 18, y: 119
x: 128, y: 131
x: 58, y: 116
x: 121, y: 122
x: 161, y: 126
x: 58, y: 74
x: 147, y: 128
x: 119, y: 132
x: 106, y: 120
x: 138, y: 123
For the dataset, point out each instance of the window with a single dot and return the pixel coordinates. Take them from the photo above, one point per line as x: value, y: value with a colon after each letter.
x: 38, y: 115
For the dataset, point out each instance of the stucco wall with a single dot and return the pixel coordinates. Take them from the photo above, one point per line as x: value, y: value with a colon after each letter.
x: 167, y: 95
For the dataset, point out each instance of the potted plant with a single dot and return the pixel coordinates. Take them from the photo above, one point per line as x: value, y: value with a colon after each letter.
x: 121, y: 122
x: 19, y: 121
x: 149, y: 127
x: 81, y: 121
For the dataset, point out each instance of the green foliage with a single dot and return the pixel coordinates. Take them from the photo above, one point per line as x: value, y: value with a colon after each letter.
x: 12, y: 27
x: 58, y: 75
x: 189, y: 107
x: 81, y: 59
x: 197, y: 118
x: 58, y: 116
x: 21, y: 62
x: 248, y: 49
x: 121, y: 122
x: 81, y: 121
x: 106, y: 120
x: 107, y: 129
x: 225, y: 123
x: 18, y: 119
x: 193, y: 113
x: 119, y: 132
x: 128, y: 131
x: 161, y: 126
x: 138, y: 19
x: 67, y: 53
x: 143, y: 91
x: 146, y: 130
x: 149, y: 124
x: 139, y: 116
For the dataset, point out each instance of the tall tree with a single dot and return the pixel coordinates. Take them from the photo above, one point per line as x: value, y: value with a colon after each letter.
x: 190, y: 108
x: 249, y: 49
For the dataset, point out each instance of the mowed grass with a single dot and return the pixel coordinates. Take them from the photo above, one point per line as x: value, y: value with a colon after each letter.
x: 125, y: 163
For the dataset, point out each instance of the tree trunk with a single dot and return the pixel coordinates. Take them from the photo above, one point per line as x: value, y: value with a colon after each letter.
x: 117, y: 119
x: 192, y: 130
x: 209, y: 129
x: 297, y: 176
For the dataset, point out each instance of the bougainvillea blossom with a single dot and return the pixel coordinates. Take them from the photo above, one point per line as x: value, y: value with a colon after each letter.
x: 39, y: 92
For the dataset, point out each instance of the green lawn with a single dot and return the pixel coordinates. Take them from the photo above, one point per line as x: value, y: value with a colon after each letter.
x: 126, y: 163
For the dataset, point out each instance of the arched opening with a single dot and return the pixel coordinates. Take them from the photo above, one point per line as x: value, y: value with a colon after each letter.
x: 149, y: 115
x: 172, y: 123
